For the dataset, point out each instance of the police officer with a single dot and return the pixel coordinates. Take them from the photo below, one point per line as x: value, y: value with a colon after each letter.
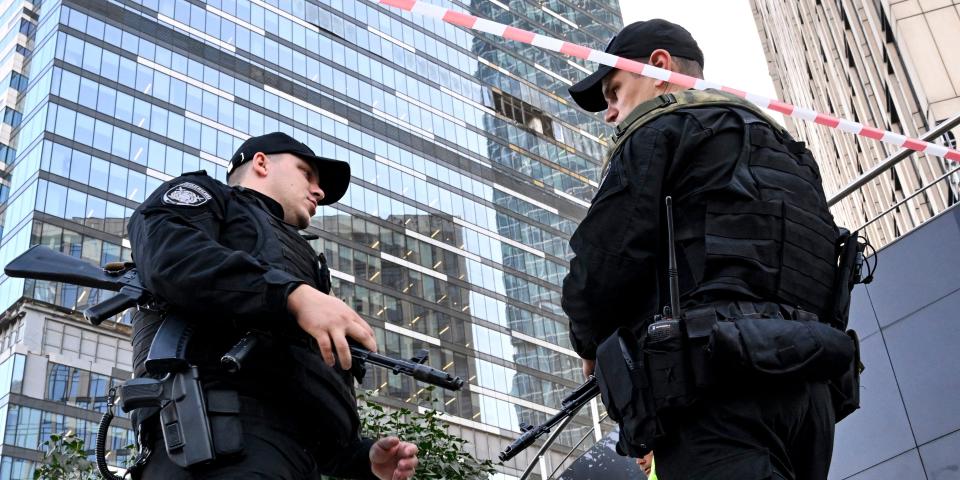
x: 230, y: 258
x: 754, y: 238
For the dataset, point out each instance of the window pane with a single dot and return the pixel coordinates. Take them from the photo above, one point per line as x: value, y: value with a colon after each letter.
x: 118, y: 180
x: 60, y: 160
x: 76, y: 203
x: 92, y: 249
x: 80, y: 167
x: 96, y: 212
x: 56, y: 200
x: 99, y: 173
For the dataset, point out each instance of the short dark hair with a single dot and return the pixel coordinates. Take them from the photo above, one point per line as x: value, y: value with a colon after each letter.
x: 237, y: 175
x: 682, y: 65
x: 689, y: 67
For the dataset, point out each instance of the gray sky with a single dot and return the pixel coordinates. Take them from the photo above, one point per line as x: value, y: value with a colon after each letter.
x: 726, y: 32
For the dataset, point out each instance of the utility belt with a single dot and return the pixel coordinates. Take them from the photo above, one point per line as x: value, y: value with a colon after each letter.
x: 673, y: 363
x: 198, y: 420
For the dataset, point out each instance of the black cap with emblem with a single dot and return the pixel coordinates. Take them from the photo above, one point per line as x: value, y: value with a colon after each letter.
x: 334, y: 175
x: 637, y: 40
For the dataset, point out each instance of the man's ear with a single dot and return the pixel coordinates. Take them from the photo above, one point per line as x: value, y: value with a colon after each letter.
x: 661, y: 58
x: 260, y: 164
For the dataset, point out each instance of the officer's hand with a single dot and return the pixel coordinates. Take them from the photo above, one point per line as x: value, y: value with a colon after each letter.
x: 330, y: 321
x: 391, y: 459
x: 588, y: 366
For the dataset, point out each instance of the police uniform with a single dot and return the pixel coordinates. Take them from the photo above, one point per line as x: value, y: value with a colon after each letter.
x: 223, y: 257
x: 754, y: 237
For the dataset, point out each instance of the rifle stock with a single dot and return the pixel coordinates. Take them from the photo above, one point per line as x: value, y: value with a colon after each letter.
x: 42, y: 263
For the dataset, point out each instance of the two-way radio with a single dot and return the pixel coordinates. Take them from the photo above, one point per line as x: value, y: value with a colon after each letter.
x: 666, y: 327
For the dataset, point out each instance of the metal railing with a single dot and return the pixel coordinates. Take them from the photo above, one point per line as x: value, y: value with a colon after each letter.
x: 552, y: 438
x: 575, y: 447
x: 892, y: 161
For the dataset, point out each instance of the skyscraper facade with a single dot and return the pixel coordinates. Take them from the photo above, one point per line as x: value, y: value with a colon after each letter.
x: 471, y: 168
x: 888, y: 64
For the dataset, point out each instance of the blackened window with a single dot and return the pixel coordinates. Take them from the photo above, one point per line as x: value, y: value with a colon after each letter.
x: 522, y: 113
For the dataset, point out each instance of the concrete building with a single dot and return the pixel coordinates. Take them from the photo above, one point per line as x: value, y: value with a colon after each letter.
x: 54, y: 378
x: 888, y: 64
x: 471, y: 169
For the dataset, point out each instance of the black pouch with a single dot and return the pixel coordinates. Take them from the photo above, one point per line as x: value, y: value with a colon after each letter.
x: 845, y: 389
x: 625, y: 392
x: 803, y: 350
x: 223, y: 411
x: 699, y: 326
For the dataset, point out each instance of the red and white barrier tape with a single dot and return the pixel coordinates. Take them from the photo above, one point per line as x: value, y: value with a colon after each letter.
x: 549, y: 43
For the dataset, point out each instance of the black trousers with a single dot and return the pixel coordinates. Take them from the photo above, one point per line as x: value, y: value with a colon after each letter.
x: 279, y: 442
x: 271, y: 450
x: 751, y: 432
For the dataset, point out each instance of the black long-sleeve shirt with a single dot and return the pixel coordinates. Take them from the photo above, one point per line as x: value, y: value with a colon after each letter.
x: 196, y: 254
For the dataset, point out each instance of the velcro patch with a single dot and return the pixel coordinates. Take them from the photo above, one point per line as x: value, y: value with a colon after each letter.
x: 187, y: 194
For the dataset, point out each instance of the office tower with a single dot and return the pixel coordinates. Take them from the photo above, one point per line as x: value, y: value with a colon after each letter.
x: 888, y: 64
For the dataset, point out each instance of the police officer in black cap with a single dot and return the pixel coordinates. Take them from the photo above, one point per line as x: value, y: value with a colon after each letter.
x: 754, y: 238
x: 230, y: 258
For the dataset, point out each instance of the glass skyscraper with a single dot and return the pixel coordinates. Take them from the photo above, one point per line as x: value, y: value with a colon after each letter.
x: 471, y: 169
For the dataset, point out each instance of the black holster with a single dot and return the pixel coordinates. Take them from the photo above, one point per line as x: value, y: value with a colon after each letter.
x: 625, y: 390
x: 197, y: 426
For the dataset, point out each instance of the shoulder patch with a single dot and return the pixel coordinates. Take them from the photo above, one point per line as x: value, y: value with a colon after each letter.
x: 187, y: 194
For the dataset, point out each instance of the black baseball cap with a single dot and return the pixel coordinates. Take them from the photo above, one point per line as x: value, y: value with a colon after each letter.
x: 334, y: 175
x: 637, y: 40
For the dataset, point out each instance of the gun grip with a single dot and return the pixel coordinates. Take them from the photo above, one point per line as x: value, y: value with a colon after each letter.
x: 141, y: 393
x: 109, y: 307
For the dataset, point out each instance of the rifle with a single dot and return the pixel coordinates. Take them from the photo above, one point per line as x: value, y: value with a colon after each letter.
x: 168, y: 350
x: 42, y: 263
x: 178, y: 392
x: 569, y: 407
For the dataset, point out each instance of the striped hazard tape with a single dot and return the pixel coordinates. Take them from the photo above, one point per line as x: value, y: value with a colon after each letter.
x: 549, y: 43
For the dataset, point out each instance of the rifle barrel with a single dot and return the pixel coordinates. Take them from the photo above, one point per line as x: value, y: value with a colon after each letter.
x: 423, y: 373
x: 569, y: 407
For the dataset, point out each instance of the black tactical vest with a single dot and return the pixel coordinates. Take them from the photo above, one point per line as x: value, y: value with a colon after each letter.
x: 764, y: 232
x: 316, y: 383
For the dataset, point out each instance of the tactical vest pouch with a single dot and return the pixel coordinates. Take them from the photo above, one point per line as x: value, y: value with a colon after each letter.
x: 845, y: 389
x: 771, y: 249
x: 625, y: 391
x: 804, y: 350
x: 226, y: 430
x: 699, y: 326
